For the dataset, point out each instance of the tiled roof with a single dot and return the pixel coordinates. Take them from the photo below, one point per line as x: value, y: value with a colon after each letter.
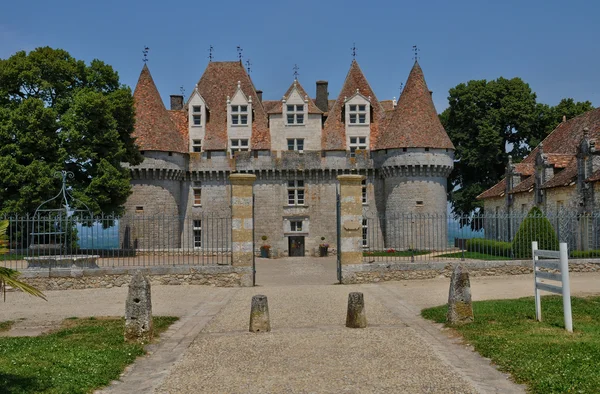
x: 415, y: 123
x: 219, y: 81
x: 268, y: 105
x: 334, y: 129
x: 595, y: 177
x: 563, y: 178
x: 524, y: 186
x: 388, y: 105
x: 525, y: 168
x: 559, y: 160
x: 154, y: 129
x: 180, y: 120
x: 312, y: 107
x: 497, y: 190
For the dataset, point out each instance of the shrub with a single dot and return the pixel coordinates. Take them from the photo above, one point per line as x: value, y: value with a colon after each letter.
x: 535, y: 227
x: 584, y: 254
x: 489, y: 246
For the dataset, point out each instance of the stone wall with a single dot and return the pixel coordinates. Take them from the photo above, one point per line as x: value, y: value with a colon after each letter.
x: 66, y: 279
x: 380, y: 272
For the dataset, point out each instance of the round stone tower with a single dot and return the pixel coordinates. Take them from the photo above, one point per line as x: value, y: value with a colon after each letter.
x: 415, y: 157
x: 152, y: 219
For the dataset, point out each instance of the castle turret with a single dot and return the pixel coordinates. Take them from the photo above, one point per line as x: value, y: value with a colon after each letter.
x: 416, y: 157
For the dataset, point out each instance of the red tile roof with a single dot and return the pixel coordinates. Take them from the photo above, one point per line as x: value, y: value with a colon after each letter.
x: 334, y: 129
x: 415, y: 122
x: 497, y: 190
x: 312, y: 107
x: 219, y: 81
x: 154, y: 129
x: 180, y: 120
x: 525, y: 169
x: 524, y: 186
x: 563, y: 178
x: 595, y: 177
x: 388, y: 105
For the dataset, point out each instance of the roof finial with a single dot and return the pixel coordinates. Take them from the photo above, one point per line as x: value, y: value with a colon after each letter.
x: 182, y: 90
x: 354, y: 50
x: 145, y: 52
x: 296, y: 73
x: 210, y: 53
x: 416, y: 50
x: 239, y: 51
x: 248, y: 64
x: 401, y: 87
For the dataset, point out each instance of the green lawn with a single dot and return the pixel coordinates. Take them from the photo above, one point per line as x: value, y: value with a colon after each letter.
x: 398, y: 253
x: 474, y: 255
x: 542, y: 355
x: 83, y: 355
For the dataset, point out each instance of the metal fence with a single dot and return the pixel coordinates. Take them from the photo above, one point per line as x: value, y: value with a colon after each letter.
x: 414, y: 237
x: 136, y: 240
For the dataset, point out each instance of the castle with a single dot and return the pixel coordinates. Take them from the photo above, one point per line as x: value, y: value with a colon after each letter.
x: 296, y: 147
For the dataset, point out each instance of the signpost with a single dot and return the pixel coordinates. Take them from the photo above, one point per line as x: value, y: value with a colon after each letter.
x: 563, y: 276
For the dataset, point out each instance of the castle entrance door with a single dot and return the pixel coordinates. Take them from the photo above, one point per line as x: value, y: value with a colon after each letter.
x: 296, y: 246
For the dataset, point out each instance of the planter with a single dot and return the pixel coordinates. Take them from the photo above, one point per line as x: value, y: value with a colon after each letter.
x: 323, y: 251
x: 264, y: 253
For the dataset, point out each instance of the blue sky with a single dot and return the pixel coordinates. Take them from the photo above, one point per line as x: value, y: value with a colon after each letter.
x: 553, y: 45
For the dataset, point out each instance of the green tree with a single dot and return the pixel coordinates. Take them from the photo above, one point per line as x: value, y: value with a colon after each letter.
x: 57, y: 113
x: 488, y: 119
x: 535, y: 227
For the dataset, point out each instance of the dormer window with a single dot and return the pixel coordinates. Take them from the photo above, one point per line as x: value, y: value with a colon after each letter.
x: 239, y: 114
x: 357, y: 113
x: 196, y: 145
x: 295, y: 113
x: 197, y: 115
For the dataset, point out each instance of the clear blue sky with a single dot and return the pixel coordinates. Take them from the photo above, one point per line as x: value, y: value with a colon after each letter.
x: 553, y: 45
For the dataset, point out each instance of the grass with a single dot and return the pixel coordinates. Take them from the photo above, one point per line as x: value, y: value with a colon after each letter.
x: 397, y: 253
x: 83, y: 355
x: 542, y: 355
x: 474, y: 255
x: 12, y: 256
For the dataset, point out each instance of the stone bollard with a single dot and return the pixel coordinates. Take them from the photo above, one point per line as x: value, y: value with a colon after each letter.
x: 138, y: 310
x: 356, y: 317
x: 259, y: 314
x: 460, y: 308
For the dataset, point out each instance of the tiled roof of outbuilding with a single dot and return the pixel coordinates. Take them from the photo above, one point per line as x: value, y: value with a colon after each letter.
x: 564, y: 177
x: 497, y: 190
x: 415, y: 122
x: 524, y: 186
x: 334, y: 129
x: 154, y: 129
x: 219, y: 81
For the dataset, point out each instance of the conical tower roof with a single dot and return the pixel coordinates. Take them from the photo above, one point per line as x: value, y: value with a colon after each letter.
x: 415, y: 122
x: 334, y: 129
x: 154, y: 129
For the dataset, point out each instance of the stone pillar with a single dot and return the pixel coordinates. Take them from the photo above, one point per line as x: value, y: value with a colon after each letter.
x: 460, y: 308
x: 356, y: 317
x: 351, y: 212
x: 241, y: 219
x: 259, y: 314
x: 138, y: 310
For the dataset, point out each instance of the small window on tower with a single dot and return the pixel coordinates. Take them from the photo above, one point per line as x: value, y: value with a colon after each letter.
x: 420, y: 203
x: 139, y: 209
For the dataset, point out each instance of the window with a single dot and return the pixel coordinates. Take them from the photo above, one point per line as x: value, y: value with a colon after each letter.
x: 197, y: 233
x: 296, y: 192
x: 364, y: 191
x: 419, y: 203
x: 296, y: 226
x: 197, y: 188
x: 365, y: 232
x: 197, y: 115
x: 196, y: 145
x: 239, y: 114
x: 239, y: 145
x: 357, y: 113
x: 357, y: 143
x: 295, y: 114
x: 139, y: 209
x: 296, y: 144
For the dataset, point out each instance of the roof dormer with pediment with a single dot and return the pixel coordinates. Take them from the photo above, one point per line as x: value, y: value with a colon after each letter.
x: 197, y: 112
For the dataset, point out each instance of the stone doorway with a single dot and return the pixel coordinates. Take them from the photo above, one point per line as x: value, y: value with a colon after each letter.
x: 296, y: 246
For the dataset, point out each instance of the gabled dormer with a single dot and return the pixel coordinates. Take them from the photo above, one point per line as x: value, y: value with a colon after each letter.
x: 197, y: 118
x: 295, y: 107
x: 357, y: 119
x: 239, y: 121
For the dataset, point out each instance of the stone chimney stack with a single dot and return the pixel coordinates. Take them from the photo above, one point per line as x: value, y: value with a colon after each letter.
x: 259, y: 95
x: 322, y: 96
x: 176, y: 102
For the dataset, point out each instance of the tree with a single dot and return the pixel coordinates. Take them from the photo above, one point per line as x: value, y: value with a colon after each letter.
x: 489, y: 120
x: 57, y: 113
x: 535, y: 227
x: 9, y: 277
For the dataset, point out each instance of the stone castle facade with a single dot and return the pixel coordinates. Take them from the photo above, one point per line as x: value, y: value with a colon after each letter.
x: 296, y: 147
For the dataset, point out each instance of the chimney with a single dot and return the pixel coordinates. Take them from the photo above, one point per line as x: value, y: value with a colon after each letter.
x: 259, y: 95
x: 564, y: 118
x: 431, y: 93
x: 322, y: 101
x: 176, y: 102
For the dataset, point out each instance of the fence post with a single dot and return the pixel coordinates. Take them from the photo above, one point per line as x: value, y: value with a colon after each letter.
x: 351, y: 219
x: 242, y: 221
x: 566, y: 288
x: 538, y: 305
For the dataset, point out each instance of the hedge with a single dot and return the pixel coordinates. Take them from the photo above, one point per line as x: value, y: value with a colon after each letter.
x: 535, y: 227
x: 489, y: 246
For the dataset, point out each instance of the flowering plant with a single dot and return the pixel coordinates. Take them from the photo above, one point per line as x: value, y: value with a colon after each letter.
x: 266, y: 247
x: 391, y: 251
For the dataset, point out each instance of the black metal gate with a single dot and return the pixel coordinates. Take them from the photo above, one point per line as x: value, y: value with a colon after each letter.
x: 253, y: 243
x: 338, y: 235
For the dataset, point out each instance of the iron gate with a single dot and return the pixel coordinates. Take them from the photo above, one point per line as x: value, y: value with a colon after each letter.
x: 338, y: 235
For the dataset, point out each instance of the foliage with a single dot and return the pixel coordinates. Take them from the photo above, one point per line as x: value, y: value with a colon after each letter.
x: 582, y: 254
x: 535, y: 227
x: 84, y: 355
x: 483, y: 120
x: 542, y: 355
x: 396, y: 253
x: 490, y: 246
x: 57, y: 113
x: 474, y: 256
